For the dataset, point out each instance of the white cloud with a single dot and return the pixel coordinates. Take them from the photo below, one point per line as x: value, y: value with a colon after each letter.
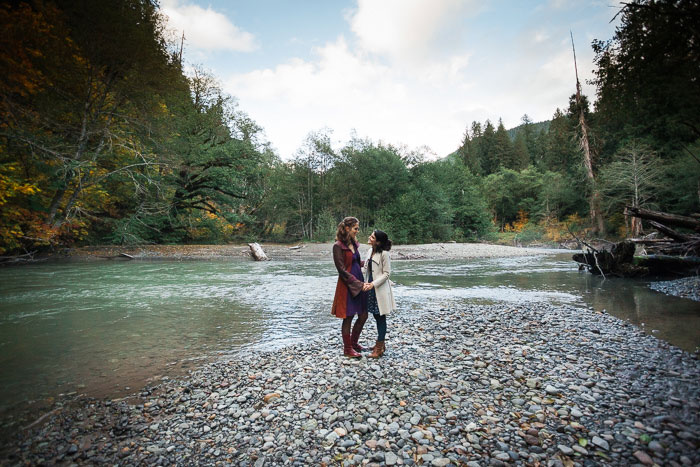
x: 377, y: 84
x: 560, y: 3
x: 406, y: 30
x: 206, y: 29
x: 540, y: 36
x: 346, y: 90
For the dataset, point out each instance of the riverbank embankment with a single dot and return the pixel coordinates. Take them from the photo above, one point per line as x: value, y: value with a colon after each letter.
x: 475, y: 385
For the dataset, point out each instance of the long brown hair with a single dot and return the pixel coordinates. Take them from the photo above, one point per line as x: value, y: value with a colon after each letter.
x: 341, y: 235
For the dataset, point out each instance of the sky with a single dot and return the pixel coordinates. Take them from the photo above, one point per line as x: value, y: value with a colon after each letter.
x: 410, y: 73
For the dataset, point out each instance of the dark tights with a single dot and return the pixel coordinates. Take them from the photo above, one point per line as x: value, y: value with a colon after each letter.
x: 381, y: 327
x: 347, y: 323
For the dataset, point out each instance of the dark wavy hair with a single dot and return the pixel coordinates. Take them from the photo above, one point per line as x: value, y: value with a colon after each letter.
x: 341, y: 235
x: 384, y: 242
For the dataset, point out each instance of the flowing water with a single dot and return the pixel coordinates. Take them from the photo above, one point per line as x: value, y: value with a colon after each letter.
x: 108, y: 328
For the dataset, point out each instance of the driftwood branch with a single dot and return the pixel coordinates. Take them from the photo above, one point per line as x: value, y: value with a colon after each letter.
x: 579, y: 240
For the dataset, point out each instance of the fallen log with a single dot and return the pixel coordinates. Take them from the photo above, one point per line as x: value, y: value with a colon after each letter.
x: 257, y: 252
x: 651, y: 241
x: 670, y: 232
x: 670, y: 265
x: 119, y: 256
x: 690, y: 248
x: 664, y: 217
x: 25, y: 258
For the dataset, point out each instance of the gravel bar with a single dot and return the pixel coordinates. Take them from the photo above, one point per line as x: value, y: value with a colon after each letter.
x: 473, y: 385
x: 280, y: 252
x: 688, y: 287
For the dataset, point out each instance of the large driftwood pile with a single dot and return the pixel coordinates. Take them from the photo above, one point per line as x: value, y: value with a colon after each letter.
x: 677, y: 253
x: 674, y: 242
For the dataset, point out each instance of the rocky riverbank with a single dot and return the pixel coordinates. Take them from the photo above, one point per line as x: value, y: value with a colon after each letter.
x: 688, y: 287
x: 477, y: 385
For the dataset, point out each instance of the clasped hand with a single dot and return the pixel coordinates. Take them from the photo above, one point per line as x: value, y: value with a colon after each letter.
x: 367, y: 286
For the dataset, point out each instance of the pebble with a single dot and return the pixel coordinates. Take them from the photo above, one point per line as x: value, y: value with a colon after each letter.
x: 655, y: 446
x: 565, y: 449
x: 600, y: 442
x: 643, y: 457
x: 463, y: 384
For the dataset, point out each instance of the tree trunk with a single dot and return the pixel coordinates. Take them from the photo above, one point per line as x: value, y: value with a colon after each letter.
x: 53, y: 208
x: 594, y: 201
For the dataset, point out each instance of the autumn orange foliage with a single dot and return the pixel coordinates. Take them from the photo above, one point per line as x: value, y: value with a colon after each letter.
x: 519, y: 224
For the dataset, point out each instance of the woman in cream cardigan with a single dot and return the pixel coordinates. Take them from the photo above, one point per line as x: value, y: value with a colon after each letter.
x: 380, y: 299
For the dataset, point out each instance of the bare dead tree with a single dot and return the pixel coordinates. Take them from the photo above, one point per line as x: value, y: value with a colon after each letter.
x: 594, y: 201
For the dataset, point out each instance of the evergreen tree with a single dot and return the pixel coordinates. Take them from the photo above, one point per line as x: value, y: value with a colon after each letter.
x: 503, y: 148
x: 487, y: 149
x: 469, y: 151
x: 530, y: 138
x: 521, y: 158
x: 647, y: 75
x: 560, y: 152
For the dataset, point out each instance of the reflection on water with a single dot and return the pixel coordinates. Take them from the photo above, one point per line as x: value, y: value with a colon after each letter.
x: 98, y: 327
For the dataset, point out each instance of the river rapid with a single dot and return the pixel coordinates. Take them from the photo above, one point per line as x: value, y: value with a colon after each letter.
x: 107, y: 328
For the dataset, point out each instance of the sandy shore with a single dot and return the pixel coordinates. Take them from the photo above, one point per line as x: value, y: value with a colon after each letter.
x: 277, y: 252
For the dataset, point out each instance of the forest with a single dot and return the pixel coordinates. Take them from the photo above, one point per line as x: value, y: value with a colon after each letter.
x: 106, y: 139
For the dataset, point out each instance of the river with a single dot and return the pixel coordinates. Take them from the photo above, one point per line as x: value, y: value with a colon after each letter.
x: 109, y: 328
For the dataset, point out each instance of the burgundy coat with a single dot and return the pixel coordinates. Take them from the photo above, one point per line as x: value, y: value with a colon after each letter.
x: 347, y: 283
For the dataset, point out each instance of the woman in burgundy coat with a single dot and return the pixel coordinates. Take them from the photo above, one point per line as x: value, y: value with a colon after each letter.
x: 350, y: 298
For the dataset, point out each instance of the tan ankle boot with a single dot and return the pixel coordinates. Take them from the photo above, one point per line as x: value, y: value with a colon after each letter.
x: 378, y: 350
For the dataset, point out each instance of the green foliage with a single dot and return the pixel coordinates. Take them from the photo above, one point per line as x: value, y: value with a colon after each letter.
x: 503, y: 153
x: 487, y: 149
x: 104, y: 138
x: 560, y: 151
x: 679, y: 187
x: 417, y: 217
x: 562, y: 194
x: 646, y: 76
x: 509, y: 191
x: 530, y: 233
x: 528, y: 127
x: 220, y: 164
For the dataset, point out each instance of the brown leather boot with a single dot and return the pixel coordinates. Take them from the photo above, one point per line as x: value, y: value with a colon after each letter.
x: 378, y: 350
x: 355, y: 337
x: 348, y: 351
